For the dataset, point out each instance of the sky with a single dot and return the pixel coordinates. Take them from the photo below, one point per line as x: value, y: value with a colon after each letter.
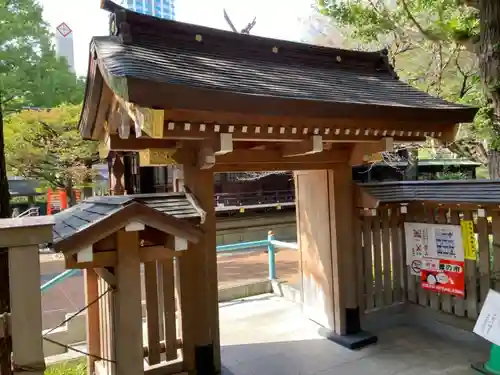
x: 274, y: 20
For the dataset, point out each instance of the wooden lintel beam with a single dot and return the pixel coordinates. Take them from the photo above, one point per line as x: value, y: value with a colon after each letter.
x: 275, y: 156
x: 136, y: 144
x: 152, y: 253
x: 313, y: 145
x: 362, y: 152
x: 100, y: 260
x: 143, y: 143
x: 258, y: 167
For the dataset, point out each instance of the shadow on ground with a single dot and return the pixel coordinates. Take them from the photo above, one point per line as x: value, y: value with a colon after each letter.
x: 270, y: 336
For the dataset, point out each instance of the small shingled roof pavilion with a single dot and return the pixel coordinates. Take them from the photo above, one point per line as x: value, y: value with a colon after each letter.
x: 211, y: 101
x: 132, y: 249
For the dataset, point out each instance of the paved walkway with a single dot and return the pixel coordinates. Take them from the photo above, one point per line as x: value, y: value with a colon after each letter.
x: 68, y: 296
x: 267, y: 335
x: 247, y: 268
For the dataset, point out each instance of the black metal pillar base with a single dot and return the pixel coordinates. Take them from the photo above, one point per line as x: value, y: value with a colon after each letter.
x: 204, y: 360
x: 351, y: 341
x: 355, y: 337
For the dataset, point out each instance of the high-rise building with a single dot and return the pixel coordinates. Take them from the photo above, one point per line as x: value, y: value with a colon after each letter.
x: 156, y: 8
x: 64, y: 44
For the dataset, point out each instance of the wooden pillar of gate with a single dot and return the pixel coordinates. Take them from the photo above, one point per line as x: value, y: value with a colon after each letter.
x: 116, y: 168
x: 325, y: 230
x: 198, y: 279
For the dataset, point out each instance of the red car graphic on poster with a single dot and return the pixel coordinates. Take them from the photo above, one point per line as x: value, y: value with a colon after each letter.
x: 443, y: 276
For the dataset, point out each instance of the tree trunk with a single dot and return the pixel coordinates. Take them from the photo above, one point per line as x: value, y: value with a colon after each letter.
x: 87, y: 190
x: 70, y: 194
x: 411, y: 172
x: 494, y: 164
x: 5, y: 343
x: 489, y: 65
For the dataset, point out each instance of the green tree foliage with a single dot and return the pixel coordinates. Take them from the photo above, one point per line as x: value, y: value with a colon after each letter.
x: 47, y: 145
x: 421, y: 37
x: 438, y: 46
x: 30, y: 76
x: 30, y: 72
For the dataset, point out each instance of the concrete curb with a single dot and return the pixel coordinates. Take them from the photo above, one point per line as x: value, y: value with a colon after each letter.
x: 245, y: 290
x: 285, y: 290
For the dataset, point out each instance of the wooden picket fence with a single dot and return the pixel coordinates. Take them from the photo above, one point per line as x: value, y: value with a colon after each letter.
x: 387, y: 279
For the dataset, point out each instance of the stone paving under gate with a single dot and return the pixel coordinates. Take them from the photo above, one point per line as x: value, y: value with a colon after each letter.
x: 267, y: 335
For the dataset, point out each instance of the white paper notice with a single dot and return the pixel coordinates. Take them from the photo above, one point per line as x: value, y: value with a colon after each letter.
x: 438, y: 241
x: 417, y: 242
x: 488, y: 324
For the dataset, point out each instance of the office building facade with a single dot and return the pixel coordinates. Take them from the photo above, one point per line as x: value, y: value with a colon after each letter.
x: 157, y: 8
x: 63, y: 43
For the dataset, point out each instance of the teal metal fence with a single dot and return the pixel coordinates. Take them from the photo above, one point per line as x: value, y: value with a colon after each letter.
x: 270, y: 243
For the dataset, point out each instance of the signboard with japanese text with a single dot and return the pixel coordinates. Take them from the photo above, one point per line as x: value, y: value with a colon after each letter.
x: 417, y: 244
x: 439, y: 241
x: 469, y: 239
x: 443, y: 276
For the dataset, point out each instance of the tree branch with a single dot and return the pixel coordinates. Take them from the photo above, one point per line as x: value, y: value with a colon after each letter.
x: 249, y: 27
x: 229, y: 22
x: 253, y: 176
x: 471, y: 3
x: 416, y: 24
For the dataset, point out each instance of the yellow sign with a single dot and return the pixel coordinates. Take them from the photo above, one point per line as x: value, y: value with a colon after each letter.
x: 242, y: 210
x: 469, y: 239
x: 278, y: 206
x: 157, y: 157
